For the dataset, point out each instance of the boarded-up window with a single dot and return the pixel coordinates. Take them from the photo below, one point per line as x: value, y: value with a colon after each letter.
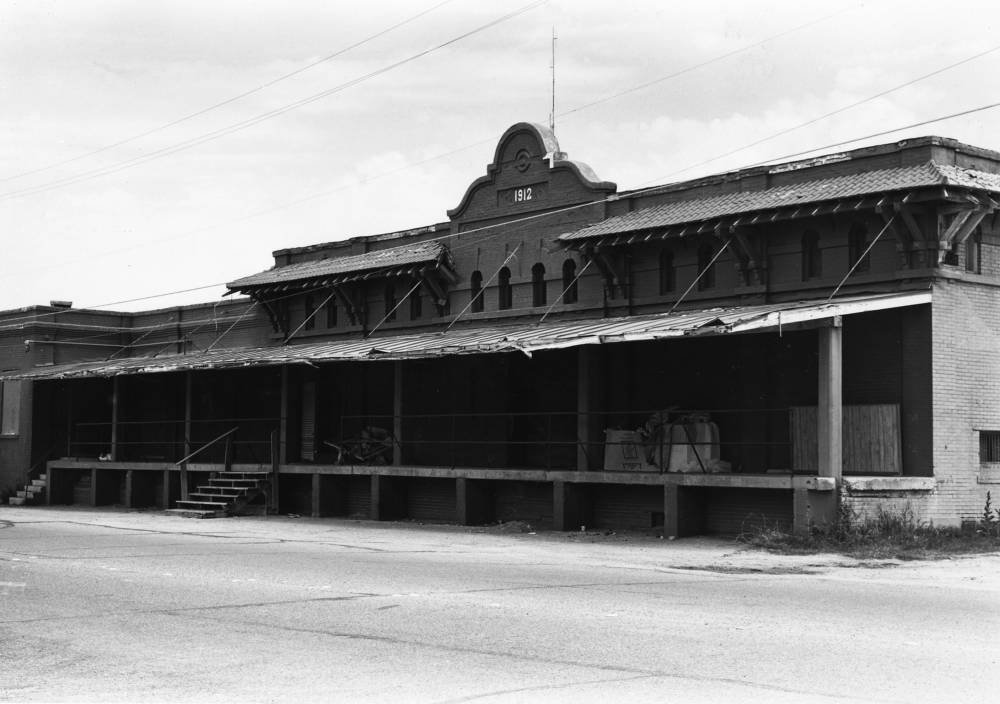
x: 390, y: 301
x: 10, y: 407
x: 871, y: 439
x: 538, y: 285
x: 812, y: 258
x: 476, y: 291
x: 416, y: 302
x: 857, y: 243
x: 505, y: 295
x: 569, y: 281
x: 309, y: 319
x: 706, y: 267
x: 973, y: 252
x: 331, y: 313
x: 668, y: 279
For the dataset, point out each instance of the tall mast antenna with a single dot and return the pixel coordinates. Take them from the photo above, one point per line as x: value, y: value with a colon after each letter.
x: 552, y: 115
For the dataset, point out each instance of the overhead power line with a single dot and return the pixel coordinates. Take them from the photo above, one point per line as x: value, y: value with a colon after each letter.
x: 845, y: 108
x: 222, y: 132
x: 451, y: 152
x: 558, y: 211
x: 233, y: 99
x: 702, y: 64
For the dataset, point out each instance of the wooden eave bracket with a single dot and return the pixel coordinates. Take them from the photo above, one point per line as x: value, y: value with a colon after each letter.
x: 435, y: 287
x: 960, y: 228
x: 272, y: 314
x: 605, y: 266
x: 748, y: 247
x: 349, y: 303
x: 447, y: 272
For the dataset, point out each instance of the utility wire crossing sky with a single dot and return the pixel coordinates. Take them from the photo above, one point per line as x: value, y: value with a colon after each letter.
x: 159, y: 147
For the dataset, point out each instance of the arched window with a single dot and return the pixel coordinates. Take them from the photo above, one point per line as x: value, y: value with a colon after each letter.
x: 390, y: 301
x: 973, y: 252
x: 476, y: 290
x: 505, y: 295
x: 706, y: 267
x: 569, y: 281
x: 667, y: 277
x: 310, y: 309
x: 416, y: 302
x: 812, y: 261
x: 857, y: 242
x: 331, y: 313
x: 538, y: 292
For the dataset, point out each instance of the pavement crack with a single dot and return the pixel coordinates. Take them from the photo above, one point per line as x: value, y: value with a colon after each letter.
x: 635, y: 672
x: 542, y: 688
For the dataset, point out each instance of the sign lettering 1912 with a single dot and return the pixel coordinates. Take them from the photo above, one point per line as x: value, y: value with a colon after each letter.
x: 521, y: 195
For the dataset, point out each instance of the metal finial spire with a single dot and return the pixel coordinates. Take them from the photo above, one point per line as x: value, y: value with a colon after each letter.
x: 552, y: 115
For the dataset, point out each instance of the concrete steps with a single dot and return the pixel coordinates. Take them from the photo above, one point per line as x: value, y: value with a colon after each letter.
x: 226, y: 494
x: 33, y: 493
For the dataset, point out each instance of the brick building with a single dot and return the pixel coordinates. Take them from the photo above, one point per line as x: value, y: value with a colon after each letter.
x: 755, y: 344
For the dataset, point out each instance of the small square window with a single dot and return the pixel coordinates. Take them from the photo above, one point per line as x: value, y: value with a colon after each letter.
x: 989, y: 446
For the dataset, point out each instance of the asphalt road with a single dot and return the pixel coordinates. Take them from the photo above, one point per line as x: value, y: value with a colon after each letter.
x: 146, y: 607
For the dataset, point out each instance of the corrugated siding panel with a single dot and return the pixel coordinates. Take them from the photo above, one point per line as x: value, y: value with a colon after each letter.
x: 631, y: 507
x: 523, y: 501
x: 735, y: 510
x: 309, y: 421
x: 480, y: 340
x: 430, y: 499
x: 359, y: 496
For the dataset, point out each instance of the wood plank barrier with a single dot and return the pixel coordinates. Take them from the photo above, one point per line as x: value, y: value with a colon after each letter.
x: 871, y: 439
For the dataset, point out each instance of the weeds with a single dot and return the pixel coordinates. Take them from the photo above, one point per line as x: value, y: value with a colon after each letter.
x: 989, y: 523
x: 889, y: 534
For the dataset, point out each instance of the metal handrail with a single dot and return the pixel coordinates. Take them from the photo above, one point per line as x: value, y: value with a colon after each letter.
x: 207, y: 445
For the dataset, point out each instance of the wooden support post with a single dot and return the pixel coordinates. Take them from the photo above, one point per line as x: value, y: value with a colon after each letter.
x: 568, y: 512
x: 812, y: 507
x: 94, y: 476
x: 821, y: 507
x: 283, y: 423
x: 473, y: 503
x: 273, y: 495
x: 115, y: 392
x: 462, y: 516
x: 50, y: 485
x: 584, y: 362
x: 397, y: 413
x: 188, y: 383
x: 375, y: 502
x: 829, y: 431
x: 316, y: 505
x: 187, y: 413
x: 165, y: 497
x: 129, y: 488
x: 388, y: 498
x: 69, y: 421
x: 671, y: 511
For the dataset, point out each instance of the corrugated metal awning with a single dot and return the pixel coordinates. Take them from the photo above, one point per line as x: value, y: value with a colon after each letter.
x: 800, y: 199
x: 523, y: 337
x: 409, y: 260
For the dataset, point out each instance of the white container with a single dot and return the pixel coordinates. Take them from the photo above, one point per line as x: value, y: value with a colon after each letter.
x: 693, y: 447
x: 623, y: 452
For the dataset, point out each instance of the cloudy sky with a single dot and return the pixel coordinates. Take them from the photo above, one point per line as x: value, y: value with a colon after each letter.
x: 102, y: 199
